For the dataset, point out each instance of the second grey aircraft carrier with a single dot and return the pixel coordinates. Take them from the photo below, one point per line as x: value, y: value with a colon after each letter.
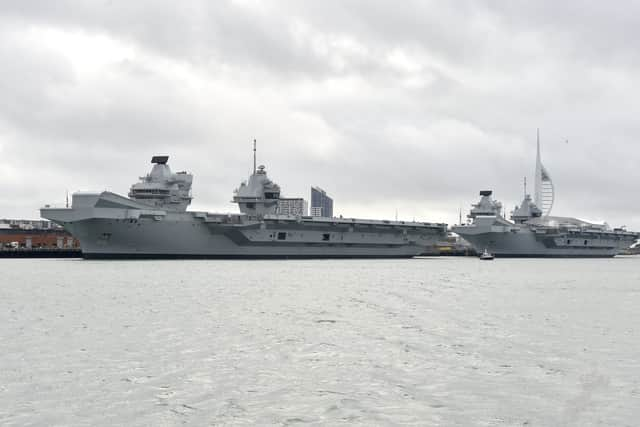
x: 533, y: 232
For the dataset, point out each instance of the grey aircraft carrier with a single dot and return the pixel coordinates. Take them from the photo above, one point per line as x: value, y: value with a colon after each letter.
x: 534, y: 233
x: 153, y: 222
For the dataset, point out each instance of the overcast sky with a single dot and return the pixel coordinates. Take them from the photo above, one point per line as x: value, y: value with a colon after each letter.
x: 414, y: 106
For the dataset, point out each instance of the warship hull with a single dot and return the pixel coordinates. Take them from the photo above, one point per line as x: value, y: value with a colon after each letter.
x: 521, y: 242
x: 525, y: 245
x: 109, y: 226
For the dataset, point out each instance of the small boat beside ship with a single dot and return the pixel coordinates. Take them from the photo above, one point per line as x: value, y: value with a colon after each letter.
x: 486, y: 256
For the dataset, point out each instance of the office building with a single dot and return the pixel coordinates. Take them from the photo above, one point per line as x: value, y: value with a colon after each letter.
x: 293, y: 206
x: 321, y: 204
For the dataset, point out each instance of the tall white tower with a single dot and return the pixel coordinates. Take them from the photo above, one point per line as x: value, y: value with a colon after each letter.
x: 544, y: 194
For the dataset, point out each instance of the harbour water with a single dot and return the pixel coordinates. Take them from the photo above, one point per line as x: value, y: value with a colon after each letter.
x: 426, y: 341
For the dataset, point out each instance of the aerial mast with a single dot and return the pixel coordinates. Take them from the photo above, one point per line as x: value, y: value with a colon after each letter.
x: 254, y: 156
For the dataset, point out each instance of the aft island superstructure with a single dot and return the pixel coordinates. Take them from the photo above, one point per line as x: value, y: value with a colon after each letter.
x: 153, y: 222
x: 533, y: 232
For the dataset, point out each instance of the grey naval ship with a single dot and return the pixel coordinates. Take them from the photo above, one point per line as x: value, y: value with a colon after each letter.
x: 153, y: 222
x: 533, y: 232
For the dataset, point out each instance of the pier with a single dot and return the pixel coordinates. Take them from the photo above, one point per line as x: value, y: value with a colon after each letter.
x: 40, y: 253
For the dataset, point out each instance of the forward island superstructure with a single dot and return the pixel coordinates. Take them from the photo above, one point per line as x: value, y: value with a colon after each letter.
x: 153, y: 222
x: 533, y: 232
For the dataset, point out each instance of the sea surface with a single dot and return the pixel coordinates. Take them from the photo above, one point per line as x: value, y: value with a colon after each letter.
x: 425, y: 341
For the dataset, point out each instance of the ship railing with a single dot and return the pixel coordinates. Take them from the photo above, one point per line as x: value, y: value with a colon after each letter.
x: 56, y: 206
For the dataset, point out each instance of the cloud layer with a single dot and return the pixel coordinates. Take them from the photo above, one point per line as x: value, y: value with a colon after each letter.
x: 413, y: 107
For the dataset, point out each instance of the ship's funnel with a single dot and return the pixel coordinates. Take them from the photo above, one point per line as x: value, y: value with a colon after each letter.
x: 486, y: 192
x: 161, y: 160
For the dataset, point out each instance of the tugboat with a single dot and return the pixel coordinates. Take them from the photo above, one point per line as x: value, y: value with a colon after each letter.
x: 486, y: 255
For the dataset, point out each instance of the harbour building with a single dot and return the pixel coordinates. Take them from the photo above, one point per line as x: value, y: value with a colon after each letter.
x: 321, y: 203
x: 33, y: 234
x: 292, y: 206
x: 28, y: 224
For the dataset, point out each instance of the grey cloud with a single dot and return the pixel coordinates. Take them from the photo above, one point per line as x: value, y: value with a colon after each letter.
x: 417, y: 105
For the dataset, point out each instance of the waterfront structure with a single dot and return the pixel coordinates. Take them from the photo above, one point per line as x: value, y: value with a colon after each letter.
x: 29, y: 237
x: 292, y: 206
x: 544, y: 191
x: 321, y: 203
x: 28, y: 224
x: 532, y: 232
x: 153, y: 222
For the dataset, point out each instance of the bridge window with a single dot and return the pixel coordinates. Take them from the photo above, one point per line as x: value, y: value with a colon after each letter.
x: 282, y: 235
x: 251, y: 205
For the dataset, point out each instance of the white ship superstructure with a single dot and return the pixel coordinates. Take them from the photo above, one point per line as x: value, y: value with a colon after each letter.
x: 153, y: 222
